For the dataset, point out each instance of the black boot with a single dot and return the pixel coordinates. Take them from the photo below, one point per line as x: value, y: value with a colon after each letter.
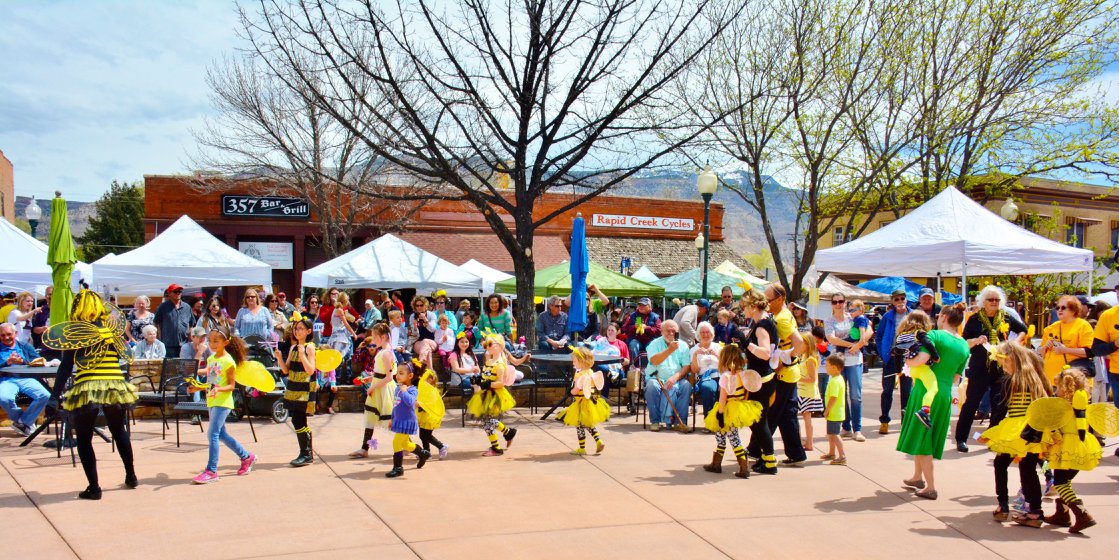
x: 509, y: 435
x: 130, y: 480
x: 304, y: 457
x: 91, y: 493
x: 397, y: 465
x: 422, y: 455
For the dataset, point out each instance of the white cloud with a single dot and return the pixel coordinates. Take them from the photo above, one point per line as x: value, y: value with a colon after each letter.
x: 97, y: 91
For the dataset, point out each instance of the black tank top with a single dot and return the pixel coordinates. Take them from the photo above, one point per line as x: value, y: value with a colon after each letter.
x: 753, y: 362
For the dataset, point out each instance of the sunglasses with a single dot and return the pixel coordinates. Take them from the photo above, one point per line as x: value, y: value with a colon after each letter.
x: 992, y: 299
x: 176, y: 291
x: 1062, y: 307
x: 840, y: 302
x: 899, y: 298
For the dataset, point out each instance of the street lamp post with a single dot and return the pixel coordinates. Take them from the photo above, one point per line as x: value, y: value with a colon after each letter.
x: 1009, y: 210
x: 33, y: 213
x: 707, y: 182
x: 700, y: 241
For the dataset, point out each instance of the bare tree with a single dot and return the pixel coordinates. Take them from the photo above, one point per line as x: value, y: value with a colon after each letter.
x: 272, y: 137
x: 548, y: 94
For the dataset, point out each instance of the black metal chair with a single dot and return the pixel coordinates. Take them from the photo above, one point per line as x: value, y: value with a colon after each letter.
x: 172, y: 372
x: 191, y: 408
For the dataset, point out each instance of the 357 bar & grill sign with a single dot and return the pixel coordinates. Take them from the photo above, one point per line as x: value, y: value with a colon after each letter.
x: 244, y: 206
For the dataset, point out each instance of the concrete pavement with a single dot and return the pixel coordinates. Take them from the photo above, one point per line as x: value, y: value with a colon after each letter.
x: 644, y: 497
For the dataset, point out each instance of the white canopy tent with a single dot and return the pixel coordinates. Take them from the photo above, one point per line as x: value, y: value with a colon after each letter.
x: 390, y: 263
x: 645, y: 275
x: 24, y: 266
x: 185, y: 254
x: 832, y: 286
x: 952, y: 235
x: 489, y: 275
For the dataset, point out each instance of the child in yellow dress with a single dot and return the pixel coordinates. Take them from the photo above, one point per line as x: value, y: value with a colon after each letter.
x: 404, y: 421
x: 1078, y: 450
x: 491, y: 398
x: 734, y: 409
x: 588, y: 409
x: 379, y: 397
x: 1027, y: 383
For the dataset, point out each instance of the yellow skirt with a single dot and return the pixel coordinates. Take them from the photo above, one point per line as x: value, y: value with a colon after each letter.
x: 585, y: 412
x: 100, y: 392
x: 740, y: 414
x: 430, y: 407
x: 1006, y: 437
x: 490, y: 403
x: 378, y: 406
x: 1071, y: 453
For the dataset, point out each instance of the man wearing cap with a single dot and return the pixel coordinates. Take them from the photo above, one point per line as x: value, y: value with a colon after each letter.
x: 285, y: 306
x: 641, y: 327
x: 926, y: 302
x: 891, y: 365
x: 173, y: 318
x: 782, y: 416
x: 689, y: 318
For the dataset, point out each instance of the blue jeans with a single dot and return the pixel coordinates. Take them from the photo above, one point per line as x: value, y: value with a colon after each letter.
x: 216, y: 433
x: 708, y: 393
x: 1113, y: 379
x: 853, y: 375
x: 11, y: 388
x: 659, y: 410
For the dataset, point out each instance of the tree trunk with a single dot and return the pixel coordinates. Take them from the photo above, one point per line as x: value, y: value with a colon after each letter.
x: 524, y: 268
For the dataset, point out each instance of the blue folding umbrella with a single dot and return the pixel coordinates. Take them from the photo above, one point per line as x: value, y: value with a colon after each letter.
x: 580, y: 264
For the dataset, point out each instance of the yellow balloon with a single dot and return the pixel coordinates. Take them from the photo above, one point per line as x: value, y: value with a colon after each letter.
x: 327, y: 359
x: 253, y: 375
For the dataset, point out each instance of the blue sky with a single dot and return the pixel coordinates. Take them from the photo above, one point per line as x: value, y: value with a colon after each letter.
x: 97, y: 90
x: 94, y: 91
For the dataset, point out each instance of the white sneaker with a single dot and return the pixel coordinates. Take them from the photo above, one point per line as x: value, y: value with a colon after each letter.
x: 22, y: 429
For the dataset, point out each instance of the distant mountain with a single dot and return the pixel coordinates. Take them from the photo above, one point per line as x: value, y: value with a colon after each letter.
x: 743, y: 226
x: 78, y: 212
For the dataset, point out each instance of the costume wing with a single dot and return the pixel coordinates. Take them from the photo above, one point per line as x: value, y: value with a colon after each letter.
x: 1049, y: 413
x: 1104, y: 419
x: 327, y: 359
x: 252, y: 374
x: 430, y: 399
x: 73, y: 335
x: 116, y: 320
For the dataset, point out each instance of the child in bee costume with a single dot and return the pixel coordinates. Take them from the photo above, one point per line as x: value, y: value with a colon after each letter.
x: 734, y: 410
x: 430, y: 409
x: 589, y: 409
x: 491, y: 398
x: 1068, y: 416
x: 92, y: 345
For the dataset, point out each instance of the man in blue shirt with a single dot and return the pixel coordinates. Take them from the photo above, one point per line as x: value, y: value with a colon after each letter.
x: 551, y: 327
x: 13, y: 352
x: 669, y: 363
x: 891, y: 365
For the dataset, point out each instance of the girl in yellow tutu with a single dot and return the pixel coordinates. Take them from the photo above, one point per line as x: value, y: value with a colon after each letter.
x: 1078, y: 450
x: 734, y: 410
x: 379, y: 397
x: 491, y: 398
x: 589, y: 409
x: 430, y: 409
x: 1010, y: 439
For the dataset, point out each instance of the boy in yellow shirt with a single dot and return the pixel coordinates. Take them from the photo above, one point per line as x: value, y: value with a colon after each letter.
x: 834, y: 410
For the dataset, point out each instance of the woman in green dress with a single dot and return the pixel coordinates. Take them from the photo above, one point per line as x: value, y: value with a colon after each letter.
x: 925, y: 443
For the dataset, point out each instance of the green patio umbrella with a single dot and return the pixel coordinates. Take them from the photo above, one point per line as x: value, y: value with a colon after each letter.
x: 688, y: 284
x: 61, y: 256
x: 556, y: 281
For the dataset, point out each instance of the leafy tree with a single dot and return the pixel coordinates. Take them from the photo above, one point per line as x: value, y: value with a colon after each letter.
x: 118, y: 224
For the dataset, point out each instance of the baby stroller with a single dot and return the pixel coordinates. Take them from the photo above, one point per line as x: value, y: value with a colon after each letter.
x: 269, y: 404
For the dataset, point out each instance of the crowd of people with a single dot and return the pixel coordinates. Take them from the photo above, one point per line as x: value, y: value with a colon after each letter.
x: 761, y: 366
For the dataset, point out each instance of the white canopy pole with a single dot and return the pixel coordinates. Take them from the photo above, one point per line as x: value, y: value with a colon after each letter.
x: 963, y: 286
x: 1091, y: 280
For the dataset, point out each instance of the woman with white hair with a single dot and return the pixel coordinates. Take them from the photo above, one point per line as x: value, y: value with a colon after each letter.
x: 149, y: 347
x: 984, y: 330
x: 139, y: 318
x: 705, y: 365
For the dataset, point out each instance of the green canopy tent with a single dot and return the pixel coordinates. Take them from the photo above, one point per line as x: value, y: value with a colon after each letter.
x: 688, y: 284
x: 61, y: 256
x: 556, y: 281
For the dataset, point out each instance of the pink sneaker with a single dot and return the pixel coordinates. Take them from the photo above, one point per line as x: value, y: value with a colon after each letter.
x: 491, y: 452
x: 205, y: 477
x: 247, y: 465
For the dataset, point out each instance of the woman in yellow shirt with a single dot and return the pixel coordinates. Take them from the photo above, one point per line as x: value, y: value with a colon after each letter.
x: 1067, y: 341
